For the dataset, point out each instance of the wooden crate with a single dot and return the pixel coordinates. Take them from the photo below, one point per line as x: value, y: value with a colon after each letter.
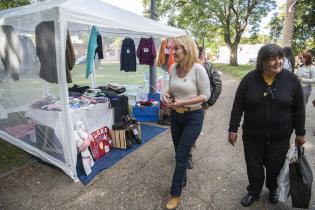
x: 119, y: 137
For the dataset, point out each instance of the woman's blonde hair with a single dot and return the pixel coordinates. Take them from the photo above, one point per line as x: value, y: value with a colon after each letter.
x: 190, y: 51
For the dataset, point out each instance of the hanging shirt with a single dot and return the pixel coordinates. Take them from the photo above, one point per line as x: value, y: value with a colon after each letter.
x: 10, y: 50
x: 171, y: 60
x: 91, y: 51
x: 170, y: 45
x: 128, y: 55
x: 46, y: 51
x: 165, y: 65
x: 99, y: 48
x: 162, y: 55
x: 70, y: 58
x: 146, y: 51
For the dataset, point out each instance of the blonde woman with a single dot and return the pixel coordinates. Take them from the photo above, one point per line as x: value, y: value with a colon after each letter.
x: 189, y: 87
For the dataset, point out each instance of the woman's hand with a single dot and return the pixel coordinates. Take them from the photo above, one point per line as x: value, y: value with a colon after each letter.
x: 177, y: 103
x: 166, y: 98
x: 299, y: 140
x: 232, y: 138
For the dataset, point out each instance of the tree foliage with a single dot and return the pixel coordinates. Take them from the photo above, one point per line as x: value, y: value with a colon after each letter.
x: 304, y: 26
x: 255, y: 39
x: 225, y: 18
x: 6, y: 4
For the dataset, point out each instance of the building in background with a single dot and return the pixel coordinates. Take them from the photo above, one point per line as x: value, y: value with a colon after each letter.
x: 246, y: 54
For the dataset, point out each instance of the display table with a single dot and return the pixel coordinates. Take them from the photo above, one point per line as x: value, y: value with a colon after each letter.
x: 93, y: 116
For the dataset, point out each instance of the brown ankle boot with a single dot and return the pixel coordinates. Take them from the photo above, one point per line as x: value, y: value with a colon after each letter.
x: 173, y: 203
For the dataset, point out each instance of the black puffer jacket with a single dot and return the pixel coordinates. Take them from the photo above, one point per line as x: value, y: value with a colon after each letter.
x: 267, y: 117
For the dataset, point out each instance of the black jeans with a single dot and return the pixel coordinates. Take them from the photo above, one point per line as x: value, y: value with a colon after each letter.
x: 185, y: 129
x: 260, y: 154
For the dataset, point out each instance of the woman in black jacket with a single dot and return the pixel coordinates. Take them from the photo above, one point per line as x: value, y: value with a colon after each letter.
x: 272, y: 102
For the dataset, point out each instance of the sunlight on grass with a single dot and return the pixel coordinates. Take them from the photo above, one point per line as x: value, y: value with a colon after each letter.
x: 237, y: 71
x: 110, y: 72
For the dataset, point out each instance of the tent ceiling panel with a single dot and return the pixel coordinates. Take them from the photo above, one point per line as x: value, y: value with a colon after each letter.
x: 92, y: 12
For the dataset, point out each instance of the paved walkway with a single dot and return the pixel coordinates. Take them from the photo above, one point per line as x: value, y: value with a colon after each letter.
x: 142, y: 180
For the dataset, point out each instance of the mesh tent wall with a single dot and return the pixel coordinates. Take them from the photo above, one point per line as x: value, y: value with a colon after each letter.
x: 17, y: 96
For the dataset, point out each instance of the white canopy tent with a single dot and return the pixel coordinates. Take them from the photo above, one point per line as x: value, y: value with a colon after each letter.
x: 16, y: 97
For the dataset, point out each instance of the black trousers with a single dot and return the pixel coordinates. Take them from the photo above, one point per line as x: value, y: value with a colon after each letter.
x: 260, y: 155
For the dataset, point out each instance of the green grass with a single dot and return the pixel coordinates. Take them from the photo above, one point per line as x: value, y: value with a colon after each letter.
x: 11, y: 156
x: 108, y: 73
x: 236, y: 71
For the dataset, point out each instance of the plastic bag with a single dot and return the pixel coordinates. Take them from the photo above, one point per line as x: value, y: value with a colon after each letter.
x: 284, y: 176
x: 301, y: 178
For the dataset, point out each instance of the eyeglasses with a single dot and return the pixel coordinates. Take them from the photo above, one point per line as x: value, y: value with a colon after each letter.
x: 269, y: 93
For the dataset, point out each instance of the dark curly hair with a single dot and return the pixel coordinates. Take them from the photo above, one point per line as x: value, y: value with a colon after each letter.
x: 266, y: 52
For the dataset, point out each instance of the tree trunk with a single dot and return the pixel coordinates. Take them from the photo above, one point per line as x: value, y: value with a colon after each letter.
x: 288, y: 27
x: 233, y: 55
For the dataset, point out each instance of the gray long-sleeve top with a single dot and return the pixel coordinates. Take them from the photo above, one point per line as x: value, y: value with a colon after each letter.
x: 307, y: 75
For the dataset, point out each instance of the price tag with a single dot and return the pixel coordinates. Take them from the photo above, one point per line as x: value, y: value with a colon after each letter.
x: 145, y: 49
x: 128, y: 51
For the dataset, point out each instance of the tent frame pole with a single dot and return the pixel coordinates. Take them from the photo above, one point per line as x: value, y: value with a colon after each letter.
x: 68, y: 143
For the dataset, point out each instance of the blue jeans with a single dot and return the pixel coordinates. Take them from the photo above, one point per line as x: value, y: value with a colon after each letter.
x: 185, y: 129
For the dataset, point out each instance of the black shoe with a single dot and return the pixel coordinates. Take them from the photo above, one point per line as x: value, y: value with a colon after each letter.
x: 190, y: 162
x: 274, y: 196
x: 248, y: 199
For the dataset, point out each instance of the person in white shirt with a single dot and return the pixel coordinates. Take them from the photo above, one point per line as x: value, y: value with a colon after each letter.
x: 288, y: 59
x: 306, y: 74
x: 189, y: 87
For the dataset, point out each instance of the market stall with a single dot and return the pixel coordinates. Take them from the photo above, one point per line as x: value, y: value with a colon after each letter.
x: 37, y: 61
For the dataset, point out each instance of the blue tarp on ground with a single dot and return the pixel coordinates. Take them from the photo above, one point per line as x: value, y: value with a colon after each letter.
x: 147, y: 133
